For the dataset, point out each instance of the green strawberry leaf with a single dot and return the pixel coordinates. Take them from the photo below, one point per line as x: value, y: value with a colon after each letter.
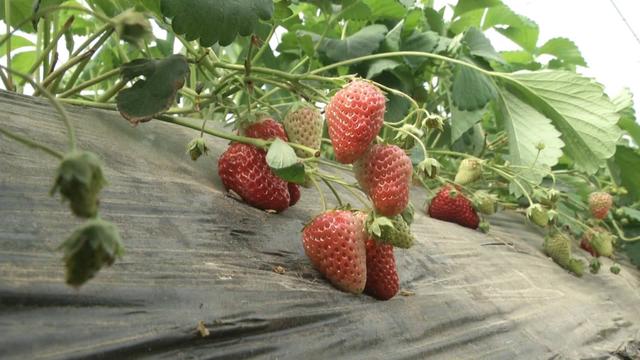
x: 526, y: 129
x: 154, y: 94
x: 281, y: 10
x: 282, y: 159
x: 631, y: 213
x: 480, y: 46
x: 563, y: 49
x: 624, y: 107
x: 216, y: 21
x: 624, y: 169
x: 377, y: 67
x: 355, y: 10
x: 471, y: 90
x: 434, y: 20
x: 462, y: 121
x: 632, y: 249
x: 517, y: 57
x: 578, y: 108
x: 21, y: 10
x: 17, y: 42
x: 465, y: 6
x: 467, y: 20
x: 376, y: 225
x: 519, y: 29
x: 386, y: 9
x: 362, y: 43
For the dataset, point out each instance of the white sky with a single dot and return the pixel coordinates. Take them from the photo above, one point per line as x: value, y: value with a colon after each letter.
x: 608, y: 46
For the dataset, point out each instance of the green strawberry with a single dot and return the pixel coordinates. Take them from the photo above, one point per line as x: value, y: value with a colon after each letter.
x: 538, y: 215
x: 303, y: 125
x: 558, y: 247
x: 484, y: 202
x: 602, y: 243
x: 93, y: 245
x: 393, y: 231
x: 469, y: 171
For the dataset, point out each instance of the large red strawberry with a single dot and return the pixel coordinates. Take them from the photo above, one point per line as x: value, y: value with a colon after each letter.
x: 384, y: 172
x: 334, y: 242
x: 294, y: 194
x: 266, y: 129
x: 243, y: 169
x: 452, y: 206
x: 599, y: 204
x: 354, y: 117
x: 382, y: 275
x: 304, y: 126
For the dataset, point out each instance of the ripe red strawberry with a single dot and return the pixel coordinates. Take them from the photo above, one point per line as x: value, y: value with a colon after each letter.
x: 304, y: 127
x: 453, y: 207
x: 334, y: 242
x: 354, y: 117
x: 585, y: 244
x: 384, y: 172
x: 599, y: 204
x: 266, y: 129
x: 382, y: 275
x: 294, y: 194
x: 243, y: 169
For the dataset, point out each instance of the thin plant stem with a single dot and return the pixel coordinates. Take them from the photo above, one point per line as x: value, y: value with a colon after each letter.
x: 32, y: 144
x: 71, y: 134
x: 621, y: 233
x: 333, y: 190
x: 265, y: 45
x: 45, y: 53
x: 112, y: 91
x: 320, y: 192
x: 89, y: 83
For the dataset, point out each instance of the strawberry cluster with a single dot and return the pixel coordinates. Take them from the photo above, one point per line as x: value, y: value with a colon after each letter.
x: 340, y: 243
x: 243, y: 169
x: 339, y: 246
x: 354, y: 117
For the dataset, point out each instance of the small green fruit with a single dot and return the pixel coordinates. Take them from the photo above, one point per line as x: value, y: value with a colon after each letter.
x: 79, y: 180
x: 394, y: 231
x: 615, y: 269
x: 538, y: 215
x: 197, y: 148
x: 469, y: 171
x: 93, y: 245
x: 484, y: 202
x: 558, y: 247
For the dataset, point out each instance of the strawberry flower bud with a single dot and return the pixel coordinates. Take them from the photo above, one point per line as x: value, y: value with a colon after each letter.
x: 79, y: 179
x: 197, y: 148
x: 428, y: 168
x: 90, y: 247
x: 434, y: 122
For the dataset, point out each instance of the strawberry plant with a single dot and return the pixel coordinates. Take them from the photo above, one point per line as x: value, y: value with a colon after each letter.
x: 395, y: 92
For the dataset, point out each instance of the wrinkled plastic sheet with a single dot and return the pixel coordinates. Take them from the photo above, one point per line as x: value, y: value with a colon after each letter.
x: 195, y: 255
